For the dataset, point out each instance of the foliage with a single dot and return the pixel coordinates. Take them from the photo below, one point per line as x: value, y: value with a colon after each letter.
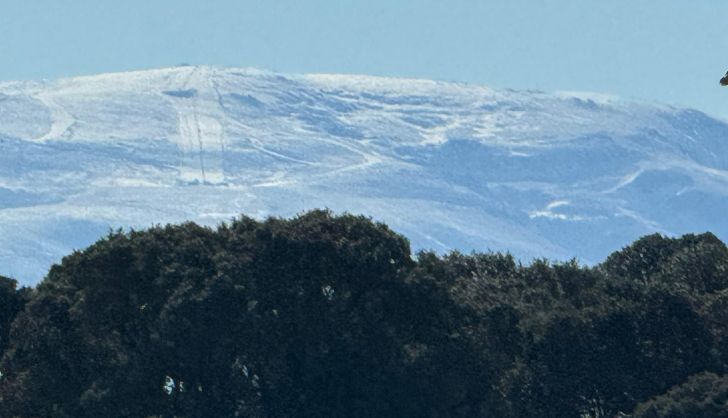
x: 704, y: 395
x: 12, y: 301
x: 324, y: 315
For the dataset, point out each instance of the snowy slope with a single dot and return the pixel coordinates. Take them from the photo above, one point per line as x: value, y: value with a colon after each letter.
x: 448, y: 165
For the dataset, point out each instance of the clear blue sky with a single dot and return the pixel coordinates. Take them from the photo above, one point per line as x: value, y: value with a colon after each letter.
x: 660, y: 50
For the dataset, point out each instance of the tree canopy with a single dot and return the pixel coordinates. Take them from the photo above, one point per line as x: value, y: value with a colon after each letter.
x: 325, y: 315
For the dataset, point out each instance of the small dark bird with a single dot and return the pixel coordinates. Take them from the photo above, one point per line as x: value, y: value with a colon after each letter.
x: 724, y: 80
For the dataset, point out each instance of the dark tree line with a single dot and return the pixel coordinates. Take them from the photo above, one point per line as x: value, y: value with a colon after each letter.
x: 332, y: 316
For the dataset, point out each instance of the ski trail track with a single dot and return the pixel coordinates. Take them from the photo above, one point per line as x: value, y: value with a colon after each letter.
x: 200, y: 133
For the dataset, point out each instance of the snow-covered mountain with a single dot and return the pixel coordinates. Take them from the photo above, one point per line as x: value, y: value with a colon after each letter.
x: 448, y: 165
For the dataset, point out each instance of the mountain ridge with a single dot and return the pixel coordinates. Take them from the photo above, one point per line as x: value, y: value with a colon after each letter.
x: 449, y: 165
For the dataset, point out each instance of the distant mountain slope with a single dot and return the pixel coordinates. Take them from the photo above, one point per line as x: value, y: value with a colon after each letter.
x: 448, y: 165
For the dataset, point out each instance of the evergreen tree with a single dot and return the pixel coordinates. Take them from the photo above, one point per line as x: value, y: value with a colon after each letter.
x: 324, y: 315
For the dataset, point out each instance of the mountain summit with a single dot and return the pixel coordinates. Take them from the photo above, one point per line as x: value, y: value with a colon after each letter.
x: 451, y: 166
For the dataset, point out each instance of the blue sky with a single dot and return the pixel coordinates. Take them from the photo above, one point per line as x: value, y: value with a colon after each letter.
x: 660, y: 50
